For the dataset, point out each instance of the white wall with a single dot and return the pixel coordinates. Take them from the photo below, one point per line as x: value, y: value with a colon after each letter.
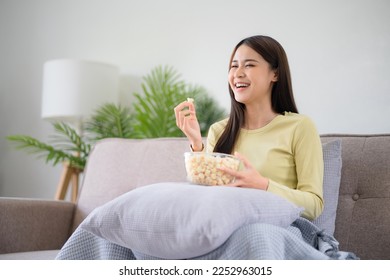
x: 338, y: 53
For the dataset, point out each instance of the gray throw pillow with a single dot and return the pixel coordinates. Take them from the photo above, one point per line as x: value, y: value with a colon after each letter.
x: 331, y: 185
x: 180, y: 220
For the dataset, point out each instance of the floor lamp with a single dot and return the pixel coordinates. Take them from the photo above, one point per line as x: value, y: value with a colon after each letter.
x: 69, y: 175
x: 72, y: 89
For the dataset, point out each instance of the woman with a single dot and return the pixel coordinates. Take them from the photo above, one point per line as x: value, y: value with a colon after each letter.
x: 280, y: 149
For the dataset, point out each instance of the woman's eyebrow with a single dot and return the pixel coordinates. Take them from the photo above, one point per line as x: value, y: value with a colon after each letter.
x: 246, y: 60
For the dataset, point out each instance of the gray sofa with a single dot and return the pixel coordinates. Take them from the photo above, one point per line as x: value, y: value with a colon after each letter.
x: 37, y: 229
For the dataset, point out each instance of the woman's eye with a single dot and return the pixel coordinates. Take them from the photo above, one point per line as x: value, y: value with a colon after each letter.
x: 249, y: 65
x: 233, y: 66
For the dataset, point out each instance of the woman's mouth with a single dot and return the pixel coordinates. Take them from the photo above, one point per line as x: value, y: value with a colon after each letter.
x: 241, y: 85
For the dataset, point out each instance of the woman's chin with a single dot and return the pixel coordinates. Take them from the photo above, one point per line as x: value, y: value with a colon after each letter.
x: 240, y: 98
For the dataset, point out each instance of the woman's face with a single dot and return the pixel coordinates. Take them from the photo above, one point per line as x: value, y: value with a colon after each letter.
x: 251, y: 77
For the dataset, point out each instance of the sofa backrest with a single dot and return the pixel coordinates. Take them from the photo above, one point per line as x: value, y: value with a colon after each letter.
x: 363, y: 213
x: 116, y: 166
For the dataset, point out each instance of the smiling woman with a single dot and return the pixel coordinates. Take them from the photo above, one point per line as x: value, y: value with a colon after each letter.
x: 251, y: 77
x: 280, y: 149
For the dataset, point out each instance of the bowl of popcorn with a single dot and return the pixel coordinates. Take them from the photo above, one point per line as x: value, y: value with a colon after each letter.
x: 202, y: 168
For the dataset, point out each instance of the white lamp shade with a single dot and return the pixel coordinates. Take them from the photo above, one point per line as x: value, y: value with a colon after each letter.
x: 73, y: 89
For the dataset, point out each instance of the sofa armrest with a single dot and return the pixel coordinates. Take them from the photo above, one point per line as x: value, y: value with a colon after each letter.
x: 30, y: 225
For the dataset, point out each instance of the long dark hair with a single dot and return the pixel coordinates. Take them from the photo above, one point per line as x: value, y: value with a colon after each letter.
x: 282, y: 98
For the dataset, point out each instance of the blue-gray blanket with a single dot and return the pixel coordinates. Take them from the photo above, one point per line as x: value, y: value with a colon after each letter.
x: 300, y: 241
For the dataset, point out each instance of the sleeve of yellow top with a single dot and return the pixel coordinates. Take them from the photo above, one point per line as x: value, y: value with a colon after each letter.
x: 309, y: 163
x: 213, y: 134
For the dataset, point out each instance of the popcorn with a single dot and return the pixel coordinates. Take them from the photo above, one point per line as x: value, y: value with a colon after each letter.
x: 189, y: 99
x: 202, y: 168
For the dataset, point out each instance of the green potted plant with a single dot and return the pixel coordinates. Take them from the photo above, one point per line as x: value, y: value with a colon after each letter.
x: 151, y: 116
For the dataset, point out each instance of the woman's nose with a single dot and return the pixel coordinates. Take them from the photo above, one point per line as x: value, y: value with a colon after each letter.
x: 240, y: 72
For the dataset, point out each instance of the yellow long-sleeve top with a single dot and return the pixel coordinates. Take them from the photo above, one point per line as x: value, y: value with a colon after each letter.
x: 288, y: 152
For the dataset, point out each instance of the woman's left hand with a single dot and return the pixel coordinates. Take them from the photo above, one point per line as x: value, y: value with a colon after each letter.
x: 248, y: 177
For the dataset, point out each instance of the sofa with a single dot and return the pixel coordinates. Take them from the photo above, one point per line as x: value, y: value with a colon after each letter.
x: 37, y: 229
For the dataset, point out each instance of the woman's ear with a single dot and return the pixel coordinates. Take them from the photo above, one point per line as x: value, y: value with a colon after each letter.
x: 276, y: 76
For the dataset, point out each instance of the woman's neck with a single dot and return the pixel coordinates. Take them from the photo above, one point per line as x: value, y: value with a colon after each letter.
x: 258, y: 117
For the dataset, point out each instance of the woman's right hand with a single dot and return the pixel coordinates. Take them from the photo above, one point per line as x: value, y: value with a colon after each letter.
x: 188, y: 123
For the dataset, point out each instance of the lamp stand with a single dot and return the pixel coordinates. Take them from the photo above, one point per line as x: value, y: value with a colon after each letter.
x: 69, y: 175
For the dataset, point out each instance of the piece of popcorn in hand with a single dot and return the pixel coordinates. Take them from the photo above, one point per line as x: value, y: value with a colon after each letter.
x: 189, y: 99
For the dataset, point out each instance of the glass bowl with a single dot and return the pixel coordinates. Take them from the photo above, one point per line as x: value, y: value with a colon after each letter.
x: 202, y: 168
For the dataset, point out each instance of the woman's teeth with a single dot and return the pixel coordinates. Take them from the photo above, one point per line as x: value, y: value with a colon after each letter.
x: 240, y: 85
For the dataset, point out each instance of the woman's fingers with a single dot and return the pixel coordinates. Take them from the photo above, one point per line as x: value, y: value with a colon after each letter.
x: 187, y: 121
x: 181, y: 114
x: 244, y: 160
x: 177, y: 110
x: 248, y: 177
x: 184, y: 104
x: 229, y: 171
x: 184, y: 116
x: 236, y: 174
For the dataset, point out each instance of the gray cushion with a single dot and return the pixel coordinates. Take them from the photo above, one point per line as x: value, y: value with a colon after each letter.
x: 180, y: 220
x: 331, y: 185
